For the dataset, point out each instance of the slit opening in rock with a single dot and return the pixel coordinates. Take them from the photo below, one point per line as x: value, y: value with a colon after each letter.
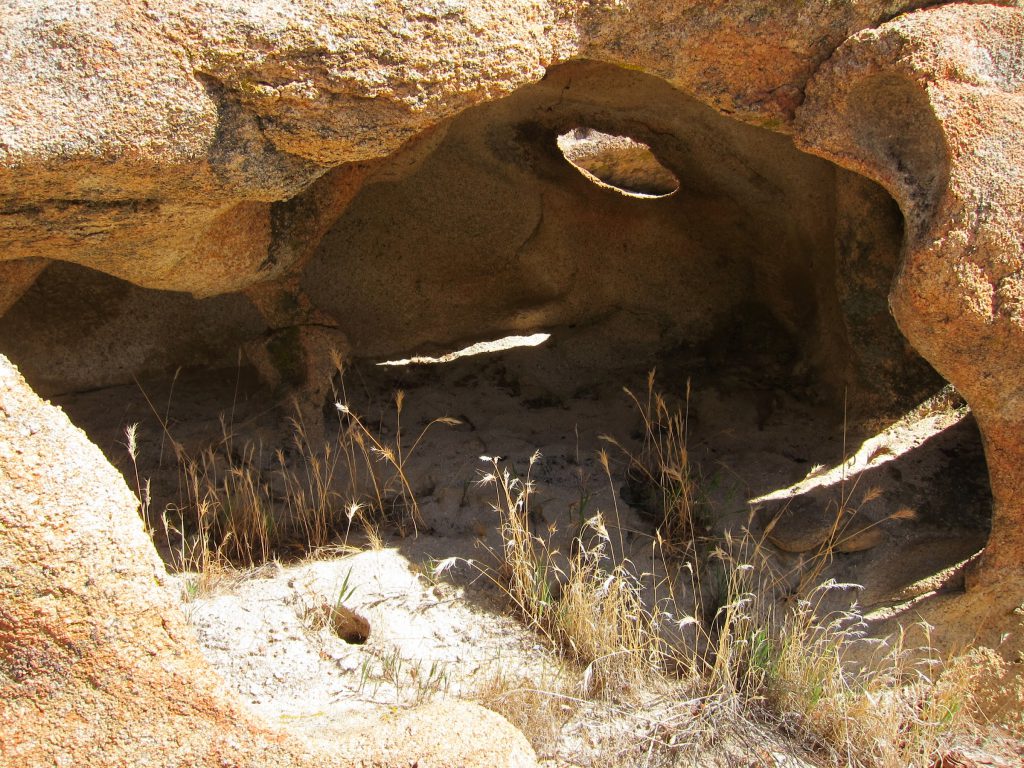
x: 478, y: 348
x: 618, y: 163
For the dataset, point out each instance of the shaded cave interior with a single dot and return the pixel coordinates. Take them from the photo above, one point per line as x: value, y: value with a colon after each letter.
x: 761, y: 283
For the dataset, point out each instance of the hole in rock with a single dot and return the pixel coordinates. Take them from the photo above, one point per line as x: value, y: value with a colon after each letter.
x: 618, y: 163
x: 349, y: 625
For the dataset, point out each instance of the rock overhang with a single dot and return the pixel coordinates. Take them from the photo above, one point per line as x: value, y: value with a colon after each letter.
x: 270, y: 148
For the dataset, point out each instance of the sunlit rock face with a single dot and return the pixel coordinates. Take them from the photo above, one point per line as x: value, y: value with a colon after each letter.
x: 617, y: 162
x: 931, y: 106
x: 837, y: 186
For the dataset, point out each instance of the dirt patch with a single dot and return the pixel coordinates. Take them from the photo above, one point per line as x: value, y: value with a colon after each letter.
x: 757, y: 444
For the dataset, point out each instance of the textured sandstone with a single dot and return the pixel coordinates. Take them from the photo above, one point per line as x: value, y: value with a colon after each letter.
x: 493, y: 231
x: 16, y: 277
x: 156, y: 143
x: 617, y: 161
x: 166, y: 174
x: 747, y: 58
x: 108, y: 330
x: 354, y: 81
x: 90, y: 645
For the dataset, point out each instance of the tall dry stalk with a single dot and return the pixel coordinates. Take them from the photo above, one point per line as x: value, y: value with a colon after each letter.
x: 588, y: 603
x: 391, y: 488
x: 660, y: 476
x: 236, y: 507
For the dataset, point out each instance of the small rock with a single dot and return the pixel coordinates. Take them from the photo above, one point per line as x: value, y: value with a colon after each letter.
x: 808, y: 523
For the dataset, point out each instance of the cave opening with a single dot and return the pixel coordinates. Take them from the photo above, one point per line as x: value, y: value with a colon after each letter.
x: 752, y: 277
x: 483, y: 383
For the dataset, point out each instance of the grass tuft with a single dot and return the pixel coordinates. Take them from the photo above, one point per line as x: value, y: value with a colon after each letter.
x: 735, y: 645
x: 702, y: 635
x: 239, y: 507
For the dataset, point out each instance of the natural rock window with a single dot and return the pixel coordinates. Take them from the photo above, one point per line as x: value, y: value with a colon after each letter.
x: 619, y: 163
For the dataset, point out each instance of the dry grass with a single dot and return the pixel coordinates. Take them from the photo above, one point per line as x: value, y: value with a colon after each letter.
x: 239, y: 507
x: 539, y: 707
x: 698, y: 628
x: 794, y: 664
x: 901, y: 707
x: 588, y: 602
x: 389, y: 491
x: 660, y: 476
x: 730, y: 647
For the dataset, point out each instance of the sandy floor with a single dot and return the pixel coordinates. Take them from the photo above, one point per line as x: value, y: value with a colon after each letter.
x: 758, y: 439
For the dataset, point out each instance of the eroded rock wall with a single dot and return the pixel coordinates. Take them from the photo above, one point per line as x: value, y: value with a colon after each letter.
x: 152, y: 143
x: 92, y: 649
x: 931, y: 105
x: 97, y: 330
x: 493, y: 231
x: 481, y: 228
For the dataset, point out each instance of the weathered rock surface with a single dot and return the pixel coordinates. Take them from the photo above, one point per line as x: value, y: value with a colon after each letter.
x: 618, y: 161
x: 155, y: 143
x: 799, y: 525
x: 931, y: 105
x: 491, y: 231
x: 152, y: 143
x: 99, y: 330
x: 97, y: 664
x: 91, y: 649
x: 746, y: 59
